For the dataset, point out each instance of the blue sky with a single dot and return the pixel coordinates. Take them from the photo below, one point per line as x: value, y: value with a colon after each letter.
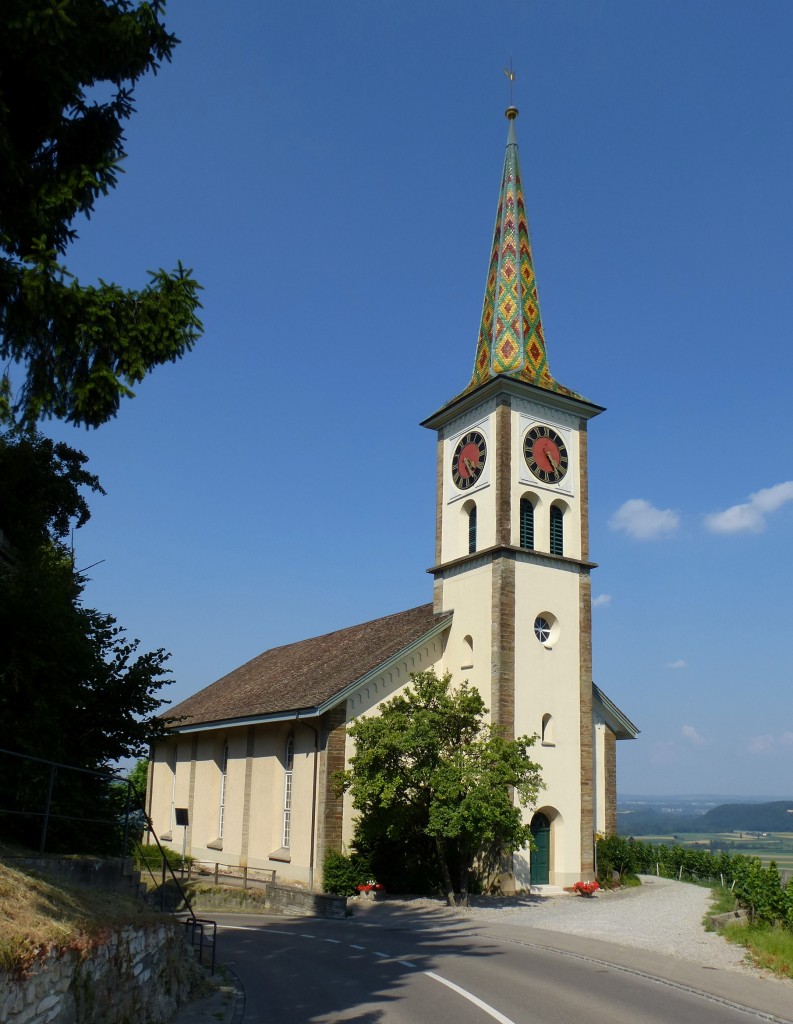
x: 330, y: 171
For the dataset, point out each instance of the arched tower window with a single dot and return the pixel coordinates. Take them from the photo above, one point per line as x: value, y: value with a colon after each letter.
x: 557, y: 530
x: 547, y: 731
x: 289, y: 763
x: 472, y: 529
x: 224, y: 765
x: 526, y: 524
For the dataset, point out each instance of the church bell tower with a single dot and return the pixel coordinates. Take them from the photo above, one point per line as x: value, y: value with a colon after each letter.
x: 512, y: 544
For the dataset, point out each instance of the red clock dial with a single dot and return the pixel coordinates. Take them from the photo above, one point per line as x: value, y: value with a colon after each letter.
x: 469, y: 459
x: 546, y: 454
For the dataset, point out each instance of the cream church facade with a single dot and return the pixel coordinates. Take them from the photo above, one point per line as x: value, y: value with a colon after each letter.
x: 252, y: 756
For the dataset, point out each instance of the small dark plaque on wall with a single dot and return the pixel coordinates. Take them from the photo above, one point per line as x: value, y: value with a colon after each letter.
x: 181, y: 816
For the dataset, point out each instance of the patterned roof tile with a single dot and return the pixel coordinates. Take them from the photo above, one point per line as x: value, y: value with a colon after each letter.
x: 305, y: 674
x: 511, y: 339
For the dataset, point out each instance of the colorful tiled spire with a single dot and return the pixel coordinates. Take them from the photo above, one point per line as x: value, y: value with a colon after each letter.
x: 511, y: 339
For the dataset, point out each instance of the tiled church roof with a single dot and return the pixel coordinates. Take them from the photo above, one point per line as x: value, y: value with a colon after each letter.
x: 305, y: 674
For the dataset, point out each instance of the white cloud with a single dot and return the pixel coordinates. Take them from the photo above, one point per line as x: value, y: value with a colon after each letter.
x: 689, y: 733
x: 760, y: 744
x: 676, y: 664
x: 751, y: 516
x: 768, y: 744
x: 601, y: 600
x: 640, y: 520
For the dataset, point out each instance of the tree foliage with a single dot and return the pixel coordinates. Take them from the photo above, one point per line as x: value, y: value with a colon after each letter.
x: 429, y: 766
x: 67, y: 73
x: 73, y: 687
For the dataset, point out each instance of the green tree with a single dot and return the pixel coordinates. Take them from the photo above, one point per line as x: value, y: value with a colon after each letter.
x: 139, y: 776
x: 73, y: 688
x: 67, y: 73
x: 428, y: 765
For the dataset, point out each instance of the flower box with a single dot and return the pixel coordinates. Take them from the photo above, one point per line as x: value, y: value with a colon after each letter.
x: 586, y: 888
x: 370, y: 890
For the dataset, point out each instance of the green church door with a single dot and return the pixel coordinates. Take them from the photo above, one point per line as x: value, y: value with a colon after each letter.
x: 541, y: 857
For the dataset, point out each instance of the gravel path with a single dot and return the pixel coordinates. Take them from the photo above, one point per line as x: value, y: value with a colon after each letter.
x: 660, y: 915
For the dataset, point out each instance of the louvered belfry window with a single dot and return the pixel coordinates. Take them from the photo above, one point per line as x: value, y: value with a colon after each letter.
x: 472, y: 530
x: 557, y: 530
x: 526, y: 524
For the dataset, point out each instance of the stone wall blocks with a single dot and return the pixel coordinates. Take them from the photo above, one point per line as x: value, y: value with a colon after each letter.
x: 135, y: 974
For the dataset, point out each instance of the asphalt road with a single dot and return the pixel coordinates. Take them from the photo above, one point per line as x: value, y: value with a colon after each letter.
x: 309, y: 971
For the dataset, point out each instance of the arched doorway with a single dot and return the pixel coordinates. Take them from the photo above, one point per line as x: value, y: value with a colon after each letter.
x: 540, y: 863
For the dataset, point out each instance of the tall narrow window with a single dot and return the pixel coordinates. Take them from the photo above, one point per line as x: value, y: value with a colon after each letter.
x: 557, y: 530
x: 224, y: 765
x: 172, y: 816
x: 289, y: 763
x: 526, y: 524
x: 472, y: 530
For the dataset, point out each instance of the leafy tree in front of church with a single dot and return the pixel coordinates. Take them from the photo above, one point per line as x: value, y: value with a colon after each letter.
x: 67, y: 71
x: 430, y: 777
x: 73, y: 687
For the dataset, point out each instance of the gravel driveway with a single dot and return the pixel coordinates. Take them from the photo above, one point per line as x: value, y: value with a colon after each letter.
x: 662, y: 915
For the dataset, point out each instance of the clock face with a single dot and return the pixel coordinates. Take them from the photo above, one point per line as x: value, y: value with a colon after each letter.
x: 469, y: 459
x: 545, y: 454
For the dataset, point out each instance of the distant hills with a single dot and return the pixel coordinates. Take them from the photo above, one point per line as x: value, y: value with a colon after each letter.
x: 647, y: 820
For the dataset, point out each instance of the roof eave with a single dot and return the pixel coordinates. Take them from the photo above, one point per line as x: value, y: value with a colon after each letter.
x: 504, y: 383
x: 622, y: 727
x: 289, y: 715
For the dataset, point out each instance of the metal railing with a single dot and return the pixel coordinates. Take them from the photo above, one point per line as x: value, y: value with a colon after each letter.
x: 224, y: 873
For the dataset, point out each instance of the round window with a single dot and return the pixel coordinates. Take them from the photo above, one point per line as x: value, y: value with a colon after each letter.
x: 542, y: 629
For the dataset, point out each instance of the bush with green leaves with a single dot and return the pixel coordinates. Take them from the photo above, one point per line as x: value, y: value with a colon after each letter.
x: 430, y: 766
x: 616, y: 853
x: 342, y: 873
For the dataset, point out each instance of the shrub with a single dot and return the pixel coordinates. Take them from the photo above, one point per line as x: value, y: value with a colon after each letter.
x: 615, y: 853
x: 342, y: 873
x: 149, y: 856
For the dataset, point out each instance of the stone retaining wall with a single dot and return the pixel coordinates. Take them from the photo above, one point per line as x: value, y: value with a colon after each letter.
x: 283, y: 899
x: 130, y: 974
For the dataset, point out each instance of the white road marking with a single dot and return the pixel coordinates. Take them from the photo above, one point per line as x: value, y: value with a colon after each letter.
x: 405, y: 963
x: 353, y: 946
x: 336, y: 942
x: 472, y: 998
x: 248, y: 928
x: 304, y: 936
x: 383, y: 955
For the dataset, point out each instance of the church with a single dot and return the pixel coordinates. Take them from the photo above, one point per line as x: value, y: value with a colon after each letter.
x: 251, y: 757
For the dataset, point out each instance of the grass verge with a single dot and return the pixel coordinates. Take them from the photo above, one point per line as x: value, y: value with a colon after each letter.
x: 37, y: 913
x: 722, y: 900
x: 768, y: 947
